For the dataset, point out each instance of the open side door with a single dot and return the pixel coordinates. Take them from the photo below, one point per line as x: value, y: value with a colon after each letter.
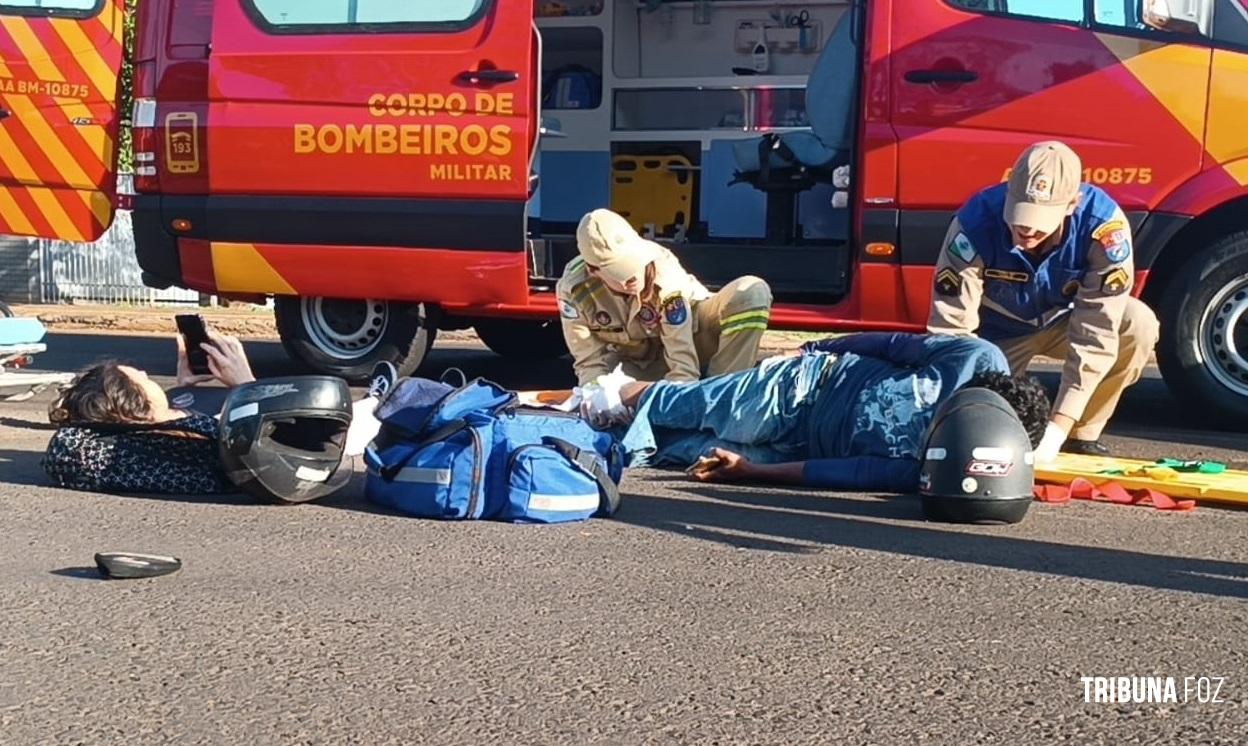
x: 59, y: 65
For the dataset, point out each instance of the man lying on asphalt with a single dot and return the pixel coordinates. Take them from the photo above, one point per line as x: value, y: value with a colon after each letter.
x: 843, y: 413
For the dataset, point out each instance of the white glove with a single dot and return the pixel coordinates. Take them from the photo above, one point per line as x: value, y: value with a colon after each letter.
x: 1050, y: 444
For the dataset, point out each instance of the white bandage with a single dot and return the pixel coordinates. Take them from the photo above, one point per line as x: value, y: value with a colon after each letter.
x: 600, y: 400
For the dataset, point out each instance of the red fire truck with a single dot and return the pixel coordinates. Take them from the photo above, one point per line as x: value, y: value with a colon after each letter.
x: 384, y: 170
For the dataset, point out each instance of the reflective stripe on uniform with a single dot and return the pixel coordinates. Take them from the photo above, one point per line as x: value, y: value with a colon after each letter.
x: 754, y: 318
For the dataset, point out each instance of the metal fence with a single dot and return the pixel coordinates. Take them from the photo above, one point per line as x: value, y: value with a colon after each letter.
x: 105, y: 271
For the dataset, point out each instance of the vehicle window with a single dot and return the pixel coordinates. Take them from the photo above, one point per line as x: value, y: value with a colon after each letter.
x: 1230, y: 22
x: 1052, y: 10
x: 78, y: 8
x: 348, y: 13
x: 1121, y: 13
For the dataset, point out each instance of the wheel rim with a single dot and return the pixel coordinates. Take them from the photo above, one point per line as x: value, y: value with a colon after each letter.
x: 345, y: 329
x: 1224, y: 336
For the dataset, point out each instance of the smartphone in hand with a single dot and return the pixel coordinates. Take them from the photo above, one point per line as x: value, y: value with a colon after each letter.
x: 194, y: 333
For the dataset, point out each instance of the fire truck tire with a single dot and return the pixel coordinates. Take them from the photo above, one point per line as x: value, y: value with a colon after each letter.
x: 533, y: 340
x: 347, y: 338
x: 1203, y: 354
x: 5, y: 311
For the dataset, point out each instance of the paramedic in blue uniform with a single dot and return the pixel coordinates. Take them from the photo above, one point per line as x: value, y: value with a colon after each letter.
x: 844, y: 413
x: 1042, y: 265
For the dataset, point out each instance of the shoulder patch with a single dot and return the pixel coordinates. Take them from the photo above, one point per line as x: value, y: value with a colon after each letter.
x: 1113, y: 237
x: 1115, y: 282
x: 568, y: 310
x: 962, y: 248
x: 1107, y: 228
x: 675, y: 310
x: 949, y: 283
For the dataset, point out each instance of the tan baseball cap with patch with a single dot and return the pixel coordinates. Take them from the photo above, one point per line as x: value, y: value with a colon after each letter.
x: 1044, y: 182
x: 608, y: 243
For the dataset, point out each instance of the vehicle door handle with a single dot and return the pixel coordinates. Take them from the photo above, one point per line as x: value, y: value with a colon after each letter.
x: 4, y: 113
x: 941, y: 76
x: 487, y: 77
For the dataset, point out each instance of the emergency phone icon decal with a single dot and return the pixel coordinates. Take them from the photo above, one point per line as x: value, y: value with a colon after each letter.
x: 182, y: 142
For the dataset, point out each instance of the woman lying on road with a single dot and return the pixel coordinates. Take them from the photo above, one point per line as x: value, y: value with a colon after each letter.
x: 118, y: 432
x: 844, y: 413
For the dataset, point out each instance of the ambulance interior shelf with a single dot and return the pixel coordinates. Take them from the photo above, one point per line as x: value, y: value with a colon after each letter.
x: 709, y: 108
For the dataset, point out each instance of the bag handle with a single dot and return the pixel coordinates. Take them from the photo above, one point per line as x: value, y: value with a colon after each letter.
x: 389, y: 471
x: 590, y: 463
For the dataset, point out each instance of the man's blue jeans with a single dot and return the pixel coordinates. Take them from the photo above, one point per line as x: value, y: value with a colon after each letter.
x: 762, y: 413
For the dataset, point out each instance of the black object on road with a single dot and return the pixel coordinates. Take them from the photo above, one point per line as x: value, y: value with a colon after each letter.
x: 978, y: 465
x: 119, y: 565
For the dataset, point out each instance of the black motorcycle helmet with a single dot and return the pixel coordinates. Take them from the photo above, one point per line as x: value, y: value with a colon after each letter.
x: 282, y: 438
x: 978, y: 464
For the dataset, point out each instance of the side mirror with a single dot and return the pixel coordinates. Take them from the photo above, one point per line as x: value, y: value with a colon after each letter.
x: 1177, y: 16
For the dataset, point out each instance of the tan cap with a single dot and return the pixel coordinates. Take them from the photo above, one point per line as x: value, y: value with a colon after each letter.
x: 1044, y: 182
x: 609, y: 243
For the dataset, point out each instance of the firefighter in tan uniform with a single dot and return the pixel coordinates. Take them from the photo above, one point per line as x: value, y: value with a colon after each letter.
x: 1042, y: 265
x: 626, y: 300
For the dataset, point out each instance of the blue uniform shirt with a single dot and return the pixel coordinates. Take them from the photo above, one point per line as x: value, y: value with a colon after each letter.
x: 1023, y: 296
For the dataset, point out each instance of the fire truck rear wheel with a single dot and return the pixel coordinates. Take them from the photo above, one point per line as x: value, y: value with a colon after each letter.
x: 1203, y: 353
x: 348, y: 337
x: 534, y: 340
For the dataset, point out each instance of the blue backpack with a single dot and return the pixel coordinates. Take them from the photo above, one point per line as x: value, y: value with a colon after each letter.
x: 475, y: 453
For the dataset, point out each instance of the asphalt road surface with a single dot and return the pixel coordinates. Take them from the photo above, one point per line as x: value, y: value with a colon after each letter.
x: 701, y: 615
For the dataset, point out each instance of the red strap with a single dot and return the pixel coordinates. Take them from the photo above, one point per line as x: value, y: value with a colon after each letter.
x: 1111, y: 492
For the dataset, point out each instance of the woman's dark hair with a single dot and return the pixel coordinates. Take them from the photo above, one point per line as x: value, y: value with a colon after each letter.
x: 101, y: 394
x: 1025, y: 394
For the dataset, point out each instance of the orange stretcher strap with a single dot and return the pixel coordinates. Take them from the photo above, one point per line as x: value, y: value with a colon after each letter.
x: 1111, y: 492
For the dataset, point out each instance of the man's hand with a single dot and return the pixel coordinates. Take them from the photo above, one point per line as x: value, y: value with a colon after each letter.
x: 185, y: 376
x: 722, y: 466
x: 227, y: 360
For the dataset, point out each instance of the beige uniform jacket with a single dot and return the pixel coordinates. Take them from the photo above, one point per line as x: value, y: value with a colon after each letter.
x: 1096, y: 308
x: 603, y: 329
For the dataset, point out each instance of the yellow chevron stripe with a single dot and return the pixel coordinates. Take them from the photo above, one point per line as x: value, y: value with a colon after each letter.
x: 94, y: 135
x: 4, y: 71
x: 28, y: 44
x: 69, y: 169
x: 113, y: 20
x: 13, y: 159
x: 62, y: 225
x: 101, y: 75
x: 12, y: 215
x: 240, y: 268
x: 99, y: 205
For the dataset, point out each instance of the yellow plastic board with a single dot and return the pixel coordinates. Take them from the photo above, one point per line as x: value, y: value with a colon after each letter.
x: 1228, y: 488
x: 653, y: 190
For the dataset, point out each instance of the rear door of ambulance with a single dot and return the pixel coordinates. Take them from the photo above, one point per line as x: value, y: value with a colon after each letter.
x: 59, y: 63
x: 344, y: 136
